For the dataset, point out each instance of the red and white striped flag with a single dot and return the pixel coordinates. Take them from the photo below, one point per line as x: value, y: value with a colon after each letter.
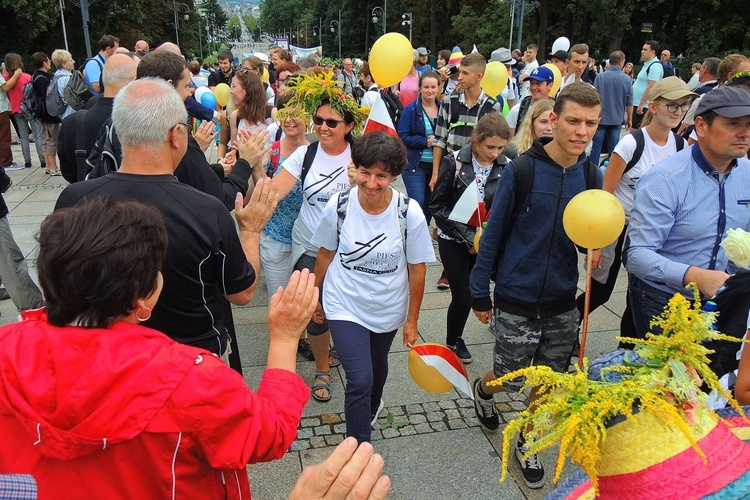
x: 379, y: 119
x: 469, y: 209
x: 447, y: 364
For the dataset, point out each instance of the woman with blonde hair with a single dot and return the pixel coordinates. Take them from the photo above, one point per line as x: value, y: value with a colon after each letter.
x: 63, y: 61
x: 535, y: 125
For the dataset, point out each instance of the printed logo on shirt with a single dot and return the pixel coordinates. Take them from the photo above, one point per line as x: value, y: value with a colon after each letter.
x: 319, y: 186
x: 364, y: 260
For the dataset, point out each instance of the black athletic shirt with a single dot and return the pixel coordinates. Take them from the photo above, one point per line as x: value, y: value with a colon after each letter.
x: 204, y: 257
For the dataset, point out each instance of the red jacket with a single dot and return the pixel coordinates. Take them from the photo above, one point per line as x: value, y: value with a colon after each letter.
x: 128, y: 413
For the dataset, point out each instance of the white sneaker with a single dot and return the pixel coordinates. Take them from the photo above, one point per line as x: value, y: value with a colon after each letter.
x: 14, y: 166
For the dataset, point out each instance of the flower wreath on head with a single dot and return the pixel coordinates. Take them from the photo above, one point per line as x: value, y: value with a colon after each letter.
x: 310, y: 90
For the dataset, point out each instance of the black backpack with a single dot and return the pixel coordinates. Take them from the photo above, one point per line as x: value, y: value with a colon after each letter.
x: 32, y: 106
x: 393, y: 105
x: 640, y: 144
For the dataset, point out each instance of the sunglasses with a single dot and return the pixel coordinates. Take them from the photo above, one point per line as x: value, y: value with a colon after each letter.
x: 330, y: 122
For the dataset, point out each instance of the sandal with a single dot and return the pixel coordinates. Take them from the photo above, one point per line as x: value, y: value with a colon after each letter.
x: 303, y: 348
x: 333, y: 357
x: 326, y: 376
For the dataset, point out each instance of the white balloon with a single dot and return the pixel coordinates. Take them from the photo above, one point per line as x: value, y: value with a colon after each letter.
x: 199, y: 93
x: 561, y: 43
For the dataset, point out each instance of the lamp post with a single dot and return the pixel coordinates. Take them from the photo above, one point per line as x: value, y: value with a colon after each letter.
x: 408, y: 19
x: 176, y: 6
x: 84, y: 5
x: 375, y: 12
x: 200, y: 38
x: 333, y: 30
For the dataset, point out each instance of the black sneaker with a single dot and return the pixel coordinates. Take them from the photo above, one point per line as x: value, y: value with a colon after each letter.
x: 485, y: 409
x: 533, y: 472
x: 27, y: 165
x: 462, y: 352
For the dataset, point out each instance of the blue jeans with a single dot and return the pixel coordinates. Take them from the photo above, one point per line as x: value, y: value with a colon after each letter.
x: 646, y: 302
x: 609, y: 134
x: 364, y: 356
x: 418, y: 186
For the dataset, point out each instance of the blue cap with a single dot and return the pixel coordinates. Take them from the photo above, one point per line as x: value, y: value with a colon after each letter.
x: 542, y: 74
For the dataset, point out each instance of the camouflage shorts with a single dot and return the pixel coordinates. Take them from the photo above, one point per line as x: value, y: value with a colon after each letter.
x: 521, y: 342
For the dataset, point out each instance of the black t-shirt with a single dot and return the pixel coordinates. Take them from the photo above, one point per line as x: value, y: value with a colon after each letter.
x: 217, y: 77
x: 204, y: 257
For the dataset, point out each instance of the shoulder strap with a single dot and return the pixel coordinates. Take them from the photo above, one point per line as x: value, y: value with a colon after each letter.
x: 453, y: 100
x: 592, y: 174
x: 341, y: 207
x: 279, y: 131
x: 312, y: 149
x: 81, y: 153
x: 403, y: 210
x: 639, y: 145
x: 679, y: 142
x: 524, y: 179
x: 402, y: 207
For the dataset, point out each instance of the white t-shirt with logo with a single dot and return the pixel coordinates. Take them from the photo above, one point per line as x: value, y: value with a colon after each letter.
x: 652, y: 154
x: 367, y: 282
x: 327, y: 176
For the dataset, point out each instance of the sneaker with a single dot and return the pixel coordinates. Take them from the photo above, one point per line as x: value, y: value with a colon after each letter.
x: 4, y: 295
x: 27, y: 165
x: 533, y: 472
x: 374, y: 420
x: 462, y: 352
x: 485, y: 409
x: 53, y: 173
x: 442, y: 283
x: 14, y: 166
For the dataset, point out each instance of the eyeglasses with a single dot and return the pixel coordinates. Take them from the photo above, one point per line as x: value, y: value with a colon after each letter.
x: 330, y: 122
x: 673, y: 107
x: 187, y: 127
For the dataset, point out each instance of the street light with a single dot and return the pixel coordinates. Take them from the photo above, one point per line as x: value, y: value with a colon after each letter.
x: 408, y: 19
x: 333, y: 30
x: 375, y: 16
x: 176, y: 6
x: 318, y: 31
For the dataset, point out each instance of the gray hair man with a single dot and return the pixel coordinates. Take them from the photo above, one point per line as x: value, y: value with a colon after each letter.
x: 206, y: 260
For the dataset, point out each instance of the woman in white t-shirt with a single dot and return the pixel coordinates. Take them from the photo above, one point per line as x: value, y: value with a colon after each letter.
x: 374, y: 246
x: 670, y: 99
x: 326, y: 176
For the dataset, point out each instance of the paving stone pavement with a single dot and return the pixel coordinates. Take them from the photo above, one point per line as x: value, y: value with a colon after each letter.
x: 433, y: 448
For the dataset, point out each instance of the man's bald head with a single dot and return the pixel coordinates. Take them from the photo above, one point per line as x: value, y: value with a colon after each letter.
x: 141, y: 46
x: 118, y: 71
x: 170, y: 47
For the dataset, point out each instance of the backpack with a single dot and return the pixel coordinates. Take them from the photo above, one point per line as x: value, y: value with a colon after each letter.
x: 456, y: 122
x: 31, y: 106
x: 640, y: 144
x: 53, y: 100
x: 663, y: 72
x: 402, y: 207
x: 393, y: 105
x: 76, y: 92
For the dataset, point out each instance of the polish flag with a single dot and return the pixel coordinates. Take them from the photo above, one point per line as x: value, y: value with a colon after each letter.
x: 469, y: 208
x: 380, y: 119
x: 447, y: 364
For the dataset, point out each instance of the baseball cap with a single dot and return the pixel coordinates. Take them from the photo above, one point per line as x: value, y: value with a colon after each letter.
x: 560, y: 54
x: 502, y: 55
x: 422, y: 51
x: 262, y: 57
x: 729, y: 102
x: 670, y: 88
x: 542, y: 74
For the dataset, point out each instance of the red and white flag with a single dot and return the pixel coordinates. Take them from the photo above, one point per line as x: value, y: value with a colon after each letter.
x: 469, y: 208
x: 447, y: 363
x: 379, y: 119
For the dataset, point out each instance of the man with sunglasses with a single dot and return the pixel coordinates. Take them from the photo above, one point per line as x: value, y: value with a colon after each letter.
x: 685, y: 205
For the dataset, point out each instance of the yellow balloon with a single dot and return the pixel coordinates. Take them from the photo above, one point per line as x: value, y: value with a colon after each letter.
x: 427, y: 377
x: 593, y: 218
x: 222, y: 94
x: 495, y: 78
x: 391, y: 59
x: 265, y: 76
x: 477, y: 238
x: 558, y: 78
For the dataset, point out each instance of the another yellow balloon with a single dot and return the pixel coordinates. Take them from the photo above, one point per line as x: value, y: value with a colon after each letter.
x: 477, y: 238
x: 495, y: 78
x: 265, y: 76
x: 222, y: 94
x: 558, y: 78
x: 427, y: 377
x: 391, y: 59
x: 594, y: 218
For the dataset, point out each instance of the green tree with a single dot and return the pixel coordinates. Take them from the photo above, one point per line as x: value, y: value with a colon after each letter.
x: 234, y: 27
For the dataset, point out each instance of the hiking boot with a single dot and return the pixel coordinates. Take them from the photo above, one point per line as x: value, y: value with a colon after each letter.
x: 462, y: 352
x: 533, y: 472
x: 485, y: 409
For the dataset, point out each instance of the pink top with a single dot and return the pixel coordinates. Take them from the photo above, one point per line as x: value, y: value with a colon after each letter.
x: 409, y: 89
x: 16, y: 93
